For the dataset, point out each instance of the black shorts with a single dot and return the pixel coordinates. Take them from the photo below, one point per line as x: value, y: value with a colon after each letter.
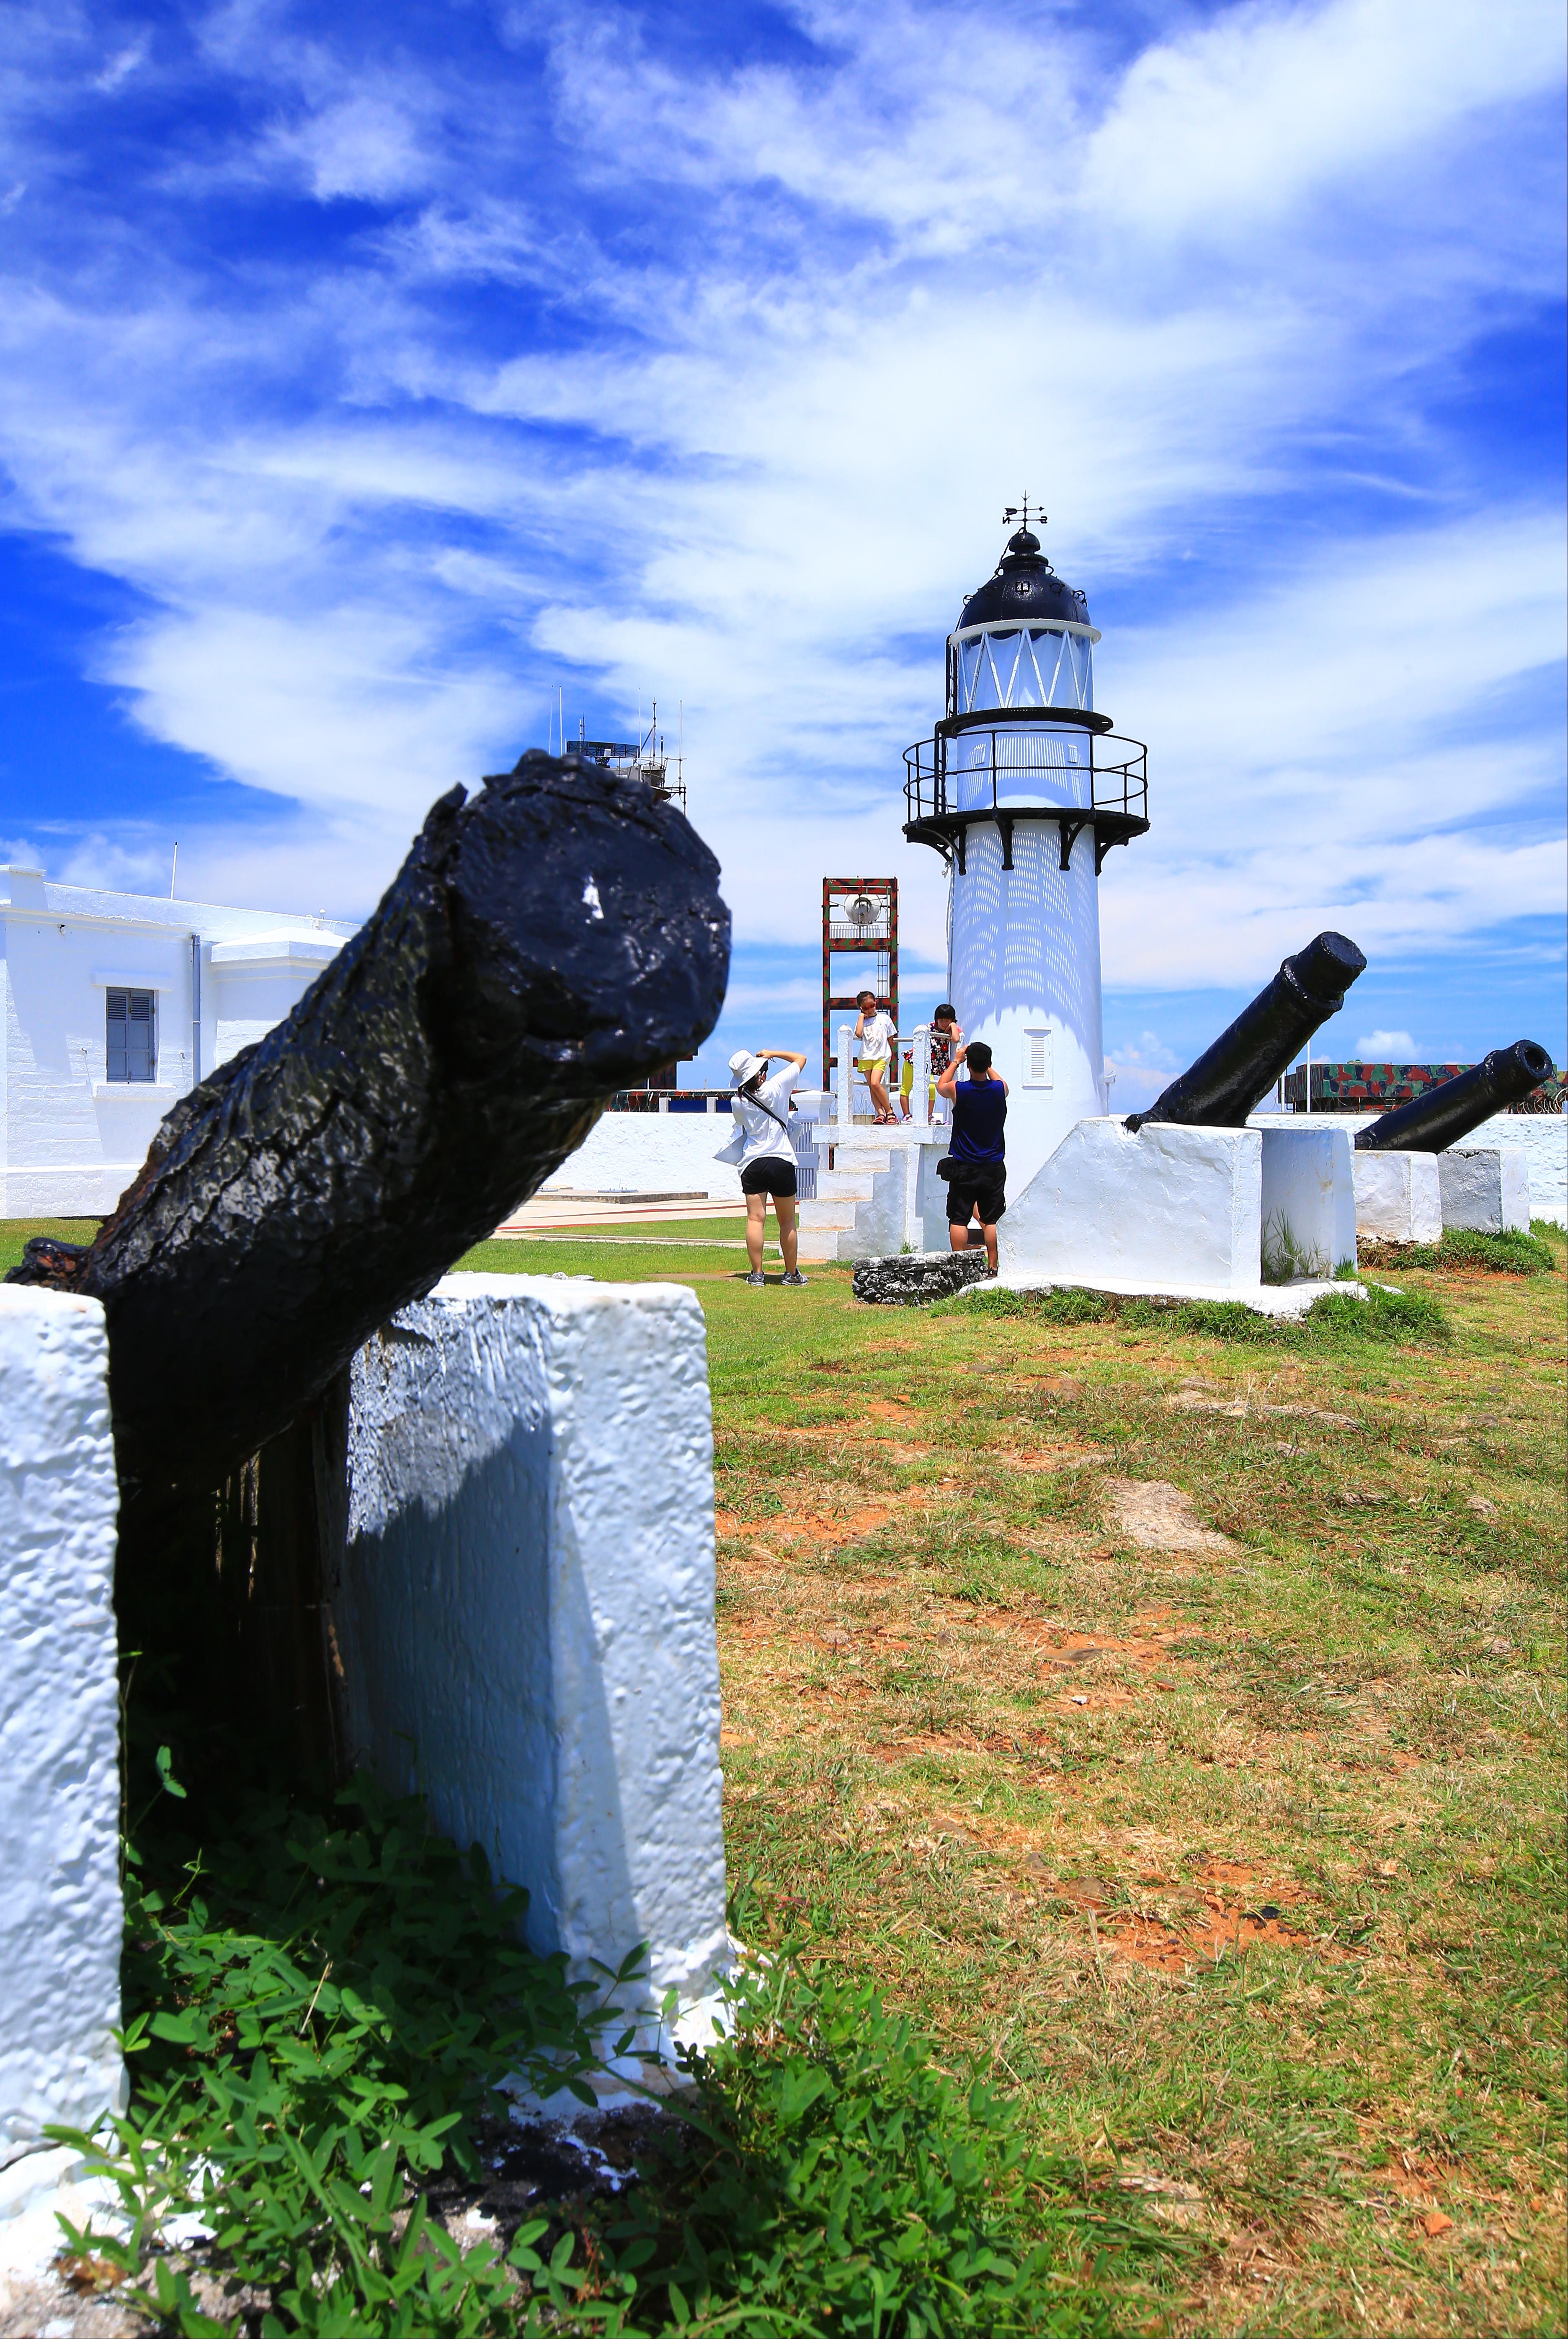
x: 770, y: 1176
x: 977, y: 1188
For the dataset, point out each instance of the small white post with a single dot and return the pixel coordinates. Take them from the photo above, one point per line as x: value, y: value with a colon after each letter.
x: 921, y: 1093
x: 1309, y: 1076
x: 845, y: 1114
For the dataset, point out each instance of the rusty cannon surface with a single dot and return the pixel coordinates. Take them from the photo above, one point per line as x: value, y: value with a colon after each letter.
x: 1439, y: 1119
x: 1231, y: 1078
x: 551, y: 939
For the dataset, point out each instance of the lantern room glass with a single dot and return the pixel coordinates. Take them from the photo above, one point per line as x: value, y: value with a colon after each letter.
x: 1021, y: 666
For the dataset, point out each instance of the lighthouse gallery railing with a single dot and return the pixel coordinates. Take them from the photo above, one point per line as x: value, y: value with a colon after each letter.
x: 1066, y: 768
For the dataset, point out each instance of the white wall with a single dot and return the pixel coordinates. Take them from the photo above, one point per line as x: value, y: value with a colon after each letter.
x: 70, y: 1138
x: 1025, y: 956
x: 60, y: 1908
x: 652, y: 1154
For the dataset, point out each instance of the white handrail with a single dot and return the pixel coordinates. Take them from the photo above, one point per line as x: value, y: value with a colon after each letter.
x: 921, y: 1096
x: 844, y: 1085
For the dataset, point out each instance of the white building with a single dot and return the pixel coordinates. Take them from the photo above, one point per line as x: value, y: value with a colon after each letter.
x: 1023, y: 791
x: 113, y: 1005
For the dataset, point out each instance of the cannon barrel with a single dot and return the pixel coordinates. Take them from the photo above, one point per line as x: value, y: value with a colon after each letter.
x: 1231, y: 1078
x: 1430, y: 1123
x: 549, y: 941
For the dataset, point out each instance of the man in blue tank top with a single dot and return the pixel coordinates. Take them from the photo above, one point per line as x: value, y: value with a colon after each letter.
x: 977, y: 1186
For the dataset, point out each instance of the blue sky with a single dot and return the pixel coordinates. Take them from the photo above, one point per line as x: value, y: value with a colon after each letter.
x: 371, y: 374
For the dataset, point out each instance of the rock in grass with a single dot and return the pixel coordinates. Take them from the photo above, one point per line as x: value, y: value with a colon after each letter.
x: 916, y: 1278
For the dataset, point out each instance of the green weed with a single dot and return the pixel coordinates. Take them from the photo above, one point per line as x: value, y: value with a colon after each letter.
x: 835, y: 2171
x: 320, y: 2007
x: 1335, y: 1319
x: 1463, y: 1248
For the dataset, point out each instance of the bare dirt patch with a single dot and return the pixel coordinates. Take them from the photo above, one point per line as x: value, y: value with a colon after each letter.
x: 1048, y: 1457
x: 804, y: 1526
x: 1156, y: 1516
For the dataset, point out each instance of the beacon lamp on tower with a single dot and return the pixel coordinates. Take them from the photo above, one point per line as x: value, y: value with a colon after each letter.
x: 1023, y: 790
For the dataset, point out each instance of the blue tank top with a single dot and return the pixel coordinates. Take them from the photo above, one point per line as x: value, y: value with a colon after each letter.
x: 979, y: 1110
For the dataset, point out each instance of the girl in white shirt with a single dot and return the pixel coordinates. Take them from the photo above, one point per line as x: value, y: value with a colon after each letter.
x: 876, y: 1036
x: 763, y: 1151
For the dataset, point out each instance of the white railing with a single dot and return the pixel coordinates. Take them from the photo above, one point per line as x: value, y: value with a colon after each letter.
x: 844, y: 1082
x: 920, y: 1092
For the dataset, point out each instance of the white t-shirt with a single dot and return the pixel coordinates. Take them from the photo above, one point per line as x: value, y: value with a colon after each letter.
x: 877, y: 1034
x: 765, y: 1141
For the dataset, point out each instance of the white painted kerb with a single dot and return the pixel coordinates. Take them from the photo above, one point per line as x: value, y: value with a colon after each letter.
x: 527, y: 1609
x: 60, y: 1907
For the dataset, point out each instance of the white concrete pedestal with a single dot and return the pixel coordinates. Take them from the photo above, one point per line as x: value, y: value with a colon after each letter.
x: 525, y: 1610
x: 1484, y: 1188
x: 1308, y: 1206
x: 1166, y: 1206
x: 60, y: 1906
x: 1397, y: 1198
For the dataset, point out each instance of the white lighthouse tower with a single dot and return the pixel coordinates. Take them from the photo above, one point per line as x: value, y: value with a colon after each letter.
x: 1022, y: 789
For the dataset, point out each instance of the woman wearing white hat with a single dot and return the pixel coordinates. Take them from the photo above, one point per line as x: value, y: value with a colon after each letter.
x: 762, y: 1150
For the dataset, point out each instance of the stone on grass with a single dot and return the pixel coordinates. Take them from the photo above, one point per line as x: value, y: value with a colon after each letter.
x: 914, y: 1278
x: 1157, y: 1517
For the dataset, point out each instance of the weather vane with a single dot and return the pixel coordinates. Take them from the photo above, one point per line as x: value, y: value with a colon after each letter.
x: 1021, y: 511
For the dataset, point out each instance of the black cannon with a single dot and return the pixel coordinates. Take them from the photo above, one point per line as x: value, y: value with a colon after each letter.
x: 552, y: 940
x: 1231, y: 1078
x: 1430, y: 1123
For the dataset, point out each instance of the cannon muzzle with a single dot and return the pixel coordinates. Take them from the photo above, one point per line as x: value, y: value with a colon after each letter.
x: 1230, y: 1078
x: 1431, y: 1123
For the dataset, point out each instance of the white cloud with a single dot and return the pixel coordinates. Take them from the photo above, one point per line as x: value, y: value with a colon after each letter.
x: 1246, y: 115
x: 122, y: 64
x: 754, y: 452
x: 1385, y: 1048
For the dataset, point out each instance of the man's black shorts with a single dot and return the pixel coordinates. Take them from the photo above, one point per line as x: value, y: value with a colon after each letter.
x: 770, y: 1176
x: 979, y: 1189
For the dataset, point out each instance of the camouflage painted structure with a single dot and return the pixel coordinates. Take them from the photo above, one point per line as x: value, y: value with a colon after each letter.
x: 1379, y: 1088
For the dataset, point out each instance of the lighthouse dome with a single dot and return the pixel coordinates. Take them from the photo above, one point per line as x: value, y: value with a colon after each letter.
x: 1025, y: 587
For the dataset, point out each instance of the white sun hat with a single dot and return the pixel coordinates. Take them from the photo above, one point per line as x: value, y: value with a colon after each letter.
x: 743, y: 1066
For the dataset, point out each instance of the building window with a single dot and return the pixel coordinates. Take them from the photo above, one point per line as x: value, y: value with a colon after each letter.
x: 132, y: 1033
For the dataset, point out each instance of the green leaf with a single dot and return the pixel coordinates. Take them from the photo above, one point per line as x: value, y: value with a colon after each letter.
x: 186, y: 2029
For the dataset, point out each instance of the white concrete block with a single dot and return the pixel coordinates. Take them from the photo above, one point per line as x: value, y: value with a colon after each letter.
x: 1309, y: 1202
x: 1166, y: 1206
x: 1485, y: 1188
x: 526, y: 1612
x: 60, y: 1906
x: 1397, y: 1198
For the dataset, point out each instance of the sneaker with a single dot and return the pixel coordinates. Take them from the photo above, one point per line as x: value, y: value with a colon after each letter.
x: 795, y: 1276
x: 759, y: 1280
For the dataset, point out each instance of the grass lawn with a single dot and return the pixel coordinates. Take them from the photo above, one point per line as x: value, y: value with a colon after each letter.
x: 1243, y: 1859
x: 1177, y: 1722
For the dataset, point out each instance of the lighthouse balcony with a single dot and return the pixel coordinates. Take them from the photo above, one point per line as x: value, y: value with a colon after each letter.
x: 1064, y: 766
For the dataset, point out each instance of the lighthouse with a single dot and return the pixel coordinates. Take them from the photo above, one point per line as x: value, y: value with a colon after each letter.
x: 1024, y: 788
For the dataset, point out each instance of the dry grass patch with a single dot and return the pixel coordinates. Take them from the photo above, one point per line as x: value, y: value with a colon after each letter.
x: 1240, y: 1859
